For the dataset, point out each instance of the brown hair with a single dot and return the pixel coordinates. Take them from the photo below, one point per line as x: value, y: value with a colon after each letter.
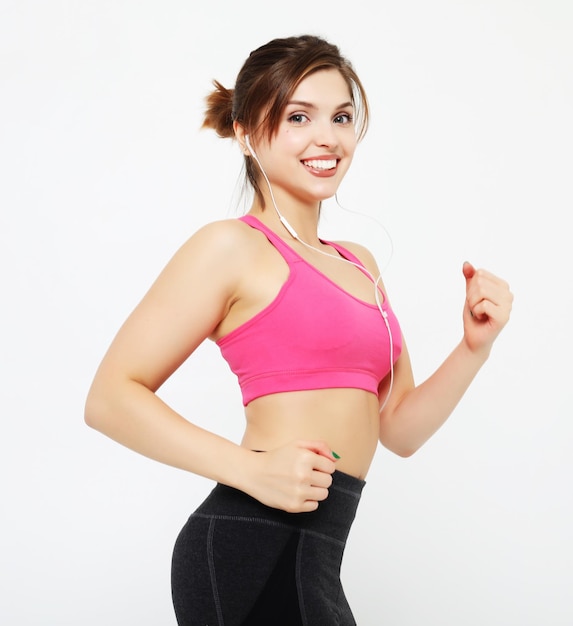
x: 265, y: 84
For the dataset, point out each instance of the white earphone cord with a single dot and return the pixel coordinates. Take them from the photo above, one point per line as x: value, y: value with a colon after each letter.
x: 292, y: 231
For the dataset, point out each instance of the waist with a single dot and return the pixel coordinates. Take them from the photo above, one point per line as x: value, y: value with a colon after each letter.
x: 347, y: 420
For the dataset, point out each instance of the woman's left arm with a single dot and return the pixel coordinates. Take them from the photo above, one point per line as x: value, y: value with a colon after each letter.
x: 414, y: 413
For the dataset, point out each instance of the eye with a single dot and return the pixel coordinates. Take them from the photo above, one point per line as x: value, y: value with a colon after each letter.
x: 344, y: 118
x: 298, y: 118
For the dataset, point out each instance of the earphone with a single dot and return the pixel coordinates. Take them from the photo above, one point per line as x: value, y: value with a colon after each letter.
x: 375, y: 281
x: 282, y: 218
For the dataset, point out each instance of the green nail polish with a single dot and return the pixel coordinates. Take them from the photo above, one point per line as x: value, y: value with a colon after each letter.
x: 335, y: 455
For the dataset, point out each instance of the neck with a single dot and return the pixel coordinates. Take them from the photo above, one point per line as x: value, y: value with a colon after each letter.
x: 300, y: 216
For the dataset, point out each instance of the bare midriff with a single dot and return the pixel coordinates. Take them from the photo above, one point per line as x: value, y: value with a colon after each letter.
x: 346, y: 419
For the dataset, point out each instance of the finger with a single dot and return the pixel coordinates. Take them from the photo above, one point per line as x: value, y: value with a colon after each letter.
x: 308, y: 506
x: 486, y: 290
x: 468, y: 270
x: 497, y: 314
x: 486, y: 282
x: 323, y: 464
x: 308, y: 498
x: 321, y: 479
x: 319, y: 448
x: 317, y: 494
x: 481, y: 311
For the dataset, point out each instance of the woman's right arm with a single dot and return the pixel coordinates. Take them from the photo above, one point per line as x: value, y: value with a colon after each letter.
x: 182, y: 308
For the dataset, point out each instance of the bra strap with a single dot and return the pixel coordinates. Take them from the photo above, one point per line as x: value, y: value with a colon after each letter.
x: 286, y: 251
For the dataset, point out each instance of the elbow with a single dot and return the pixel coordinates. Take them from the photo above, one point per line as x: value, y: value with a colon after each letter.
x: 96, y: 410
x: 90, y: 418
x: 107, y: 404
x: 405, y: 453
x: 91, y: 413
x: 401, y: 441
x: 403, y: 449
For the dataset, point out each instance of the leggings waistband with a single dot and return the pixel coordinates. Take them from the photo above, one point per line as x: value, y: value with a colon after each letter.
x: 332, y: 519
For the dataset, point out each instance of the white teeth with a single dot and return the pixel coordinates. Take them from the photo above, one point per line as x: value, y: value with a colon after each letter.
x: 321, y: 164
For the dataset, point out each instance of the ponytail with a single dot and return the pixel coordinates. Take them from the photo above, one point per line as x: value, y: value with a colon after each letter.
x: 219, y: 111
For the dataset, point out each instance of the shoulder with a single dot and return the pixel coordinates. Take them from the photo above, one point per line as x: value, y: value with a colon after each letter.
x: 218, y: 242
x: 210, y: 259
x: 220, y: 234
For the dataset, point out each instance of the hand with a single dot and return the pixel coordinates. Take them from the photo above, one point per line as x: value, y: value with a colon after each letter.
x: 294, y: 477
x: 487, y: 307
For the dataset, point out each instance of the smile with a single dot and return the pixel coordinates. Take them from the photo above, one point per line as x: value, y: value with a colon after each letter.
x: 320, y: 164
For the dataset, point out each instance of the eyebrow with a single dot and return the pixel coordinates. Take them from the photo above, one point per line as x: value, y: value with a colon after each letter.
x: 310, y: 105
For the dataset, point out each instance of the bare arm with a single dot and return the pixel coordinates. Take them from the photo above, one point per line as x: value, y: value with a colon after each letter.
x: 180, y: 310
x: 414, y: 413
x: 184, y: 306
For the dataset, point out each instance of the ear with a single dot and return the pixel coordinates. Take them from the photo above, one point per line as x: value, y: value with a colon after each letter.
x: 240, y: 134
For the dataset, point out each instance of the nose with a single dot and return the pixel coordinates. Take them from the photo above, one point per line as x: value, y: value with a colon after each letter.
x: 325, y: 134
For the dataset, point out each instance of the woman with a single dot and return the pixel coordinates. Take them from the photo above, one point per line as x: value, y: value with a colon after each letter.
x: 307, y: 327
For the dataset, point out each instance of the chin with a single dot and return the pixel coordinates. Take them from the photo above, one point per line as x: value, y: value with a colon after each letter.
x: 325, y: 193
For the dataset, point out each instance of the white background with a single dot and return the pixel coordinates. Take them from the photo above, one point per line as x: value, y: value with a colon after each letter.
x: 104, y: 173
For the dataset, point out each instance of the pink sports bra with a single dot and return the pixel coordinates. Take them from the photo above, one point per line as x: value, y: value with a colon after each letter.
x: 313, y: 335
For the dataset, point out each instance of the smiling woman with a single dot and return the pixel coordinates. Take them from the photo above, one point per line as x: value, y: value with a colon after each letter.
x: 315, y: 131
x: 315, y: 136
x: 307, y: 327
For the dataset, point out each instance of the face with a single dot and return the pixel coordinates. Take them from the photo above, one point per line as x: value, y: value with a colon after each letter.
x: 312, y: 150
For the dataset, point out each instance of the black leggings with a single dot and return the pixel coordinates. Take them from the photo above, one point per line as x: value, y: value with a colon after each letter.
x: 238, y: 562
